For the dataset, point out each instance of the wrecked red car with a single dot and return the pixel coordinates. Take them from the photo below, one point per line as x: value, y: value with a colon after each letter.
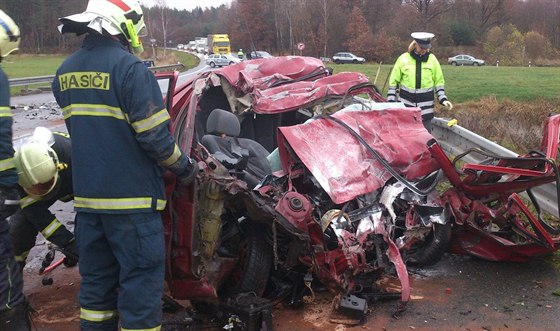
x: 310, y: 176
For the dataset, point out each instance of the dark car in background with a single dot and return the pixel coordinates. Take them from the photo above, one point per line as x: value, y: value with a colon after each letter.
x: 465, y: 60
x: 347, y: 57
x: 258, y: 55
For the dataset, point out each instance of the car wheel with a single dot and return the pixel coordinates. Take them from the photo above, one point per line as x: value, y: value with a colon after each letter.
x: 337, y: 61
x: 355, y: 61
x: 476, y: 64
x: 433, y: 248
x: 255, y: 264
x: 212, y: 64
x: 453, y: 63
x: 231, y: 62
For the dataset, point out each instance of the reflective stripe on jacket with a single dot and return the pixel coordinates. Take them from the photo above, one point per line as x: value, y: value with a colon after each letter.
x: 8, y: 173
x: 114, y: 113
x: 416, y: 88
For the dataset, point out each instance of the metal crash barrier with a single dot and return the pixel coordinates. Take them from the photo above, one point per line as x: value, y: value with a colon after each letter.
x: 455, y: 139
x: 28, y: 81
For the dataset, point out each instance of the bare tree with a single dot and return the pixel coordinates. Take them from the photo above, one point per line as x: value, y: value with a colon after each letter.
x: 488, y: 11
x: 430, y: 9
x: 164, y: 22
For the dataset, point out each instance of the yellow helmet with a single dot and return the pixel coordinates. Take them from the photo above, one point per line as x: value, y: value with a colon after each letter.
x: 9, y: 35
x: 37, y: 168
x: 115, y: 17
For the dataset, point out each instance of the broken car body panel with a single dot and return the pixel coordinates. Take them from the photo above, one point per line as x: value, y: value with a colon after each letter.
x: 344, y: 167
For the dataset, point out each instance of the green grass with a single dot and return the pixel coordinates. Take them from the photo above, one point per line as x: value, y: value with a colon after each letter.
x: 462, y: 83
x: 189, y: 60
x: 472, y: 83
x: 46, y: 65
x: 31, y: 66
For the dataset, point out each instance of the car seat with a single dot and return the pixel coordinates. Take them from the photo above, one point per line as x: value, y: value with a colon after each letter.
x: 241, y: 154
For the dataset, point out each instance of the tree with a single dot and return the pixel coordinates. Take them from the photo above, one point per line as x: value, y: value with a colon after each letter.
x: 537, y: 46
x: 360, y: 39
x: 505, y: 44
x: 429, y: 9
x: 462, y: 33
x: 164, y: 22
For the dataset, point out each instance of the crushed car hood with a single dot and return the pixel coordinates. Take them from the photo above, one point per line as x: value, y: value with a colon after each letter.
x: 343, y: 166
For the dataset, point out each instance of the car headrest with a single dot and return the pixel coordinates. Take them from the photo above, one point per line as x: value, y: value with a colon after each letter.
x: 223, y: 122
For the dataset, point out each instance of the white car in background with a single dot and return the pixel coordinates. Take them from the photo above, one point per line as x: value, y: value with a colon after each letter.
x: 220, y: 60
x: 347, y: 57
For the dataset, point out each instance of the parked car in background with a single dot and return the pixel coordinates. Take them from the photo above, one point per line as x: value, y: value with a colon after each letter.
x: 346, y: 57
x: 465, y: 60
x: 258, y: 55
x: 221, y: 60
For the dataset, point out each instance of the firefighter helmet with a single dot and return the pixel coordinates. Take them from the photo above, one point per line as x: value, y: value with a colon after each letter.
x: 115, y: 17
x: 37, y: 168
x: 9, y: 35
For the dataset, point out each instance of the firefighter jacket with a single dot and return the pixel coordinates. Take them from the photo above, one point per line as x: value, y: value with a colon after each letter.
x: 416, y: 78
x: 114, y: 112
x: 8, y: 173
x: 35, y: 211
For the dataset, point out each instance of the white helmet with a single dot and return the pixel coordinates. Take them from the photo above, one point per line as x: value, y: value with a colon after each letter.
x: 9, y: 35
x: 37, y: 167
x: 115, y: 17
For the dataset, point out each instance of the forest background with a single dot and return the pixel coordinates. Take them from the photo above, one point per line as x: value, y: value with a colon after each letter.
x: 513, y: 32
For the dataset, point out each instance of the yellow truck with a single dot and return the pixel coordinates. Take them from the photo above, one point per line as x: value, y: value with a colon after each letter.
x: 218, y: 44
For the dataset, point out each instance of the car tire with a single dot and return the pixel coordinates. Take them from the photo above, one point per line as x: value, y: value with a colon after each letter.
x: 231, y: 62
x: 476, y: 64
x: 432, y: 250
x: 355, y: 61
x: 337, y: 61
x: 253, y: 270
x: 212, y: 65
x: 453, y: 63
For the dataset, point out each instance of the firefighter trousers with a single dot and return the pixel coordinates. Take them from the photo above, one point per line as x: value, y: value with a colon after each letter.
x: 11, y: 280
x: 122, y: 264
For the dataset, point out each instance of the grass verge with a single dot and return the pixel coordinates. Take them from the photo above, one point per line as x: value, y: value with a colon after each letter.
x: 26, y: 65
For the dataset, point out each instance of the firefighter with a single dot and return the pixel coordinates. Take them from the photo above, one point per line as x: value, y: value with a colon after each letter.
x: 121, y: 144
x: 416, y: 76
x: 13, y: 306
x: 45, y: 176
x: 240, y: 54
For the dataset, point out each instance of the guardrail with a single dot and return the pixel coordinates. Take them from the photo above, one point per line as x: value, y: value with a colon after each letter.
x: 27, y: 81
x: 456, y: 139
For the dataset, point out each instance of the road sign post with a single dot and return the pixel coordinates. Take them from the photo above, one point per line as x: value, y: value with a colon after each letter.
x: 300, y: 47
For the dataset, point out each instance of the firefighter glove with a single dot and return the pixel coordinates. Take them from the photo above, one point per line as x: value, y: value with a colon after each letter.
x: 447, y: 104
x: 71, y: 254
x: 9, y: 202
x: 187, y: 177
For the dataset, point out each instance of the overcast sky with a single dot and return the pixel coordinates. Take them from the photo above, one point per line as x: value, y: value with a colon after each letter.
x: 187, y: 4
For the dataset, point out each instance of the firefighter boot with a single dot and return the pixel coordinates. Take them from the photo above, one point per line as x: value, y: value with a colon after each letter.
x: 15, y: 319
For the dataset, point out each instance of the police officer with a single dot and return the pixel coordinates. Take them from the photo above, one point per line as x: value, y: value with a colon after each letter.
x: 45, y: 176
x: 416, y: 76
x: 13, y: 306
x: 121, y: 143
